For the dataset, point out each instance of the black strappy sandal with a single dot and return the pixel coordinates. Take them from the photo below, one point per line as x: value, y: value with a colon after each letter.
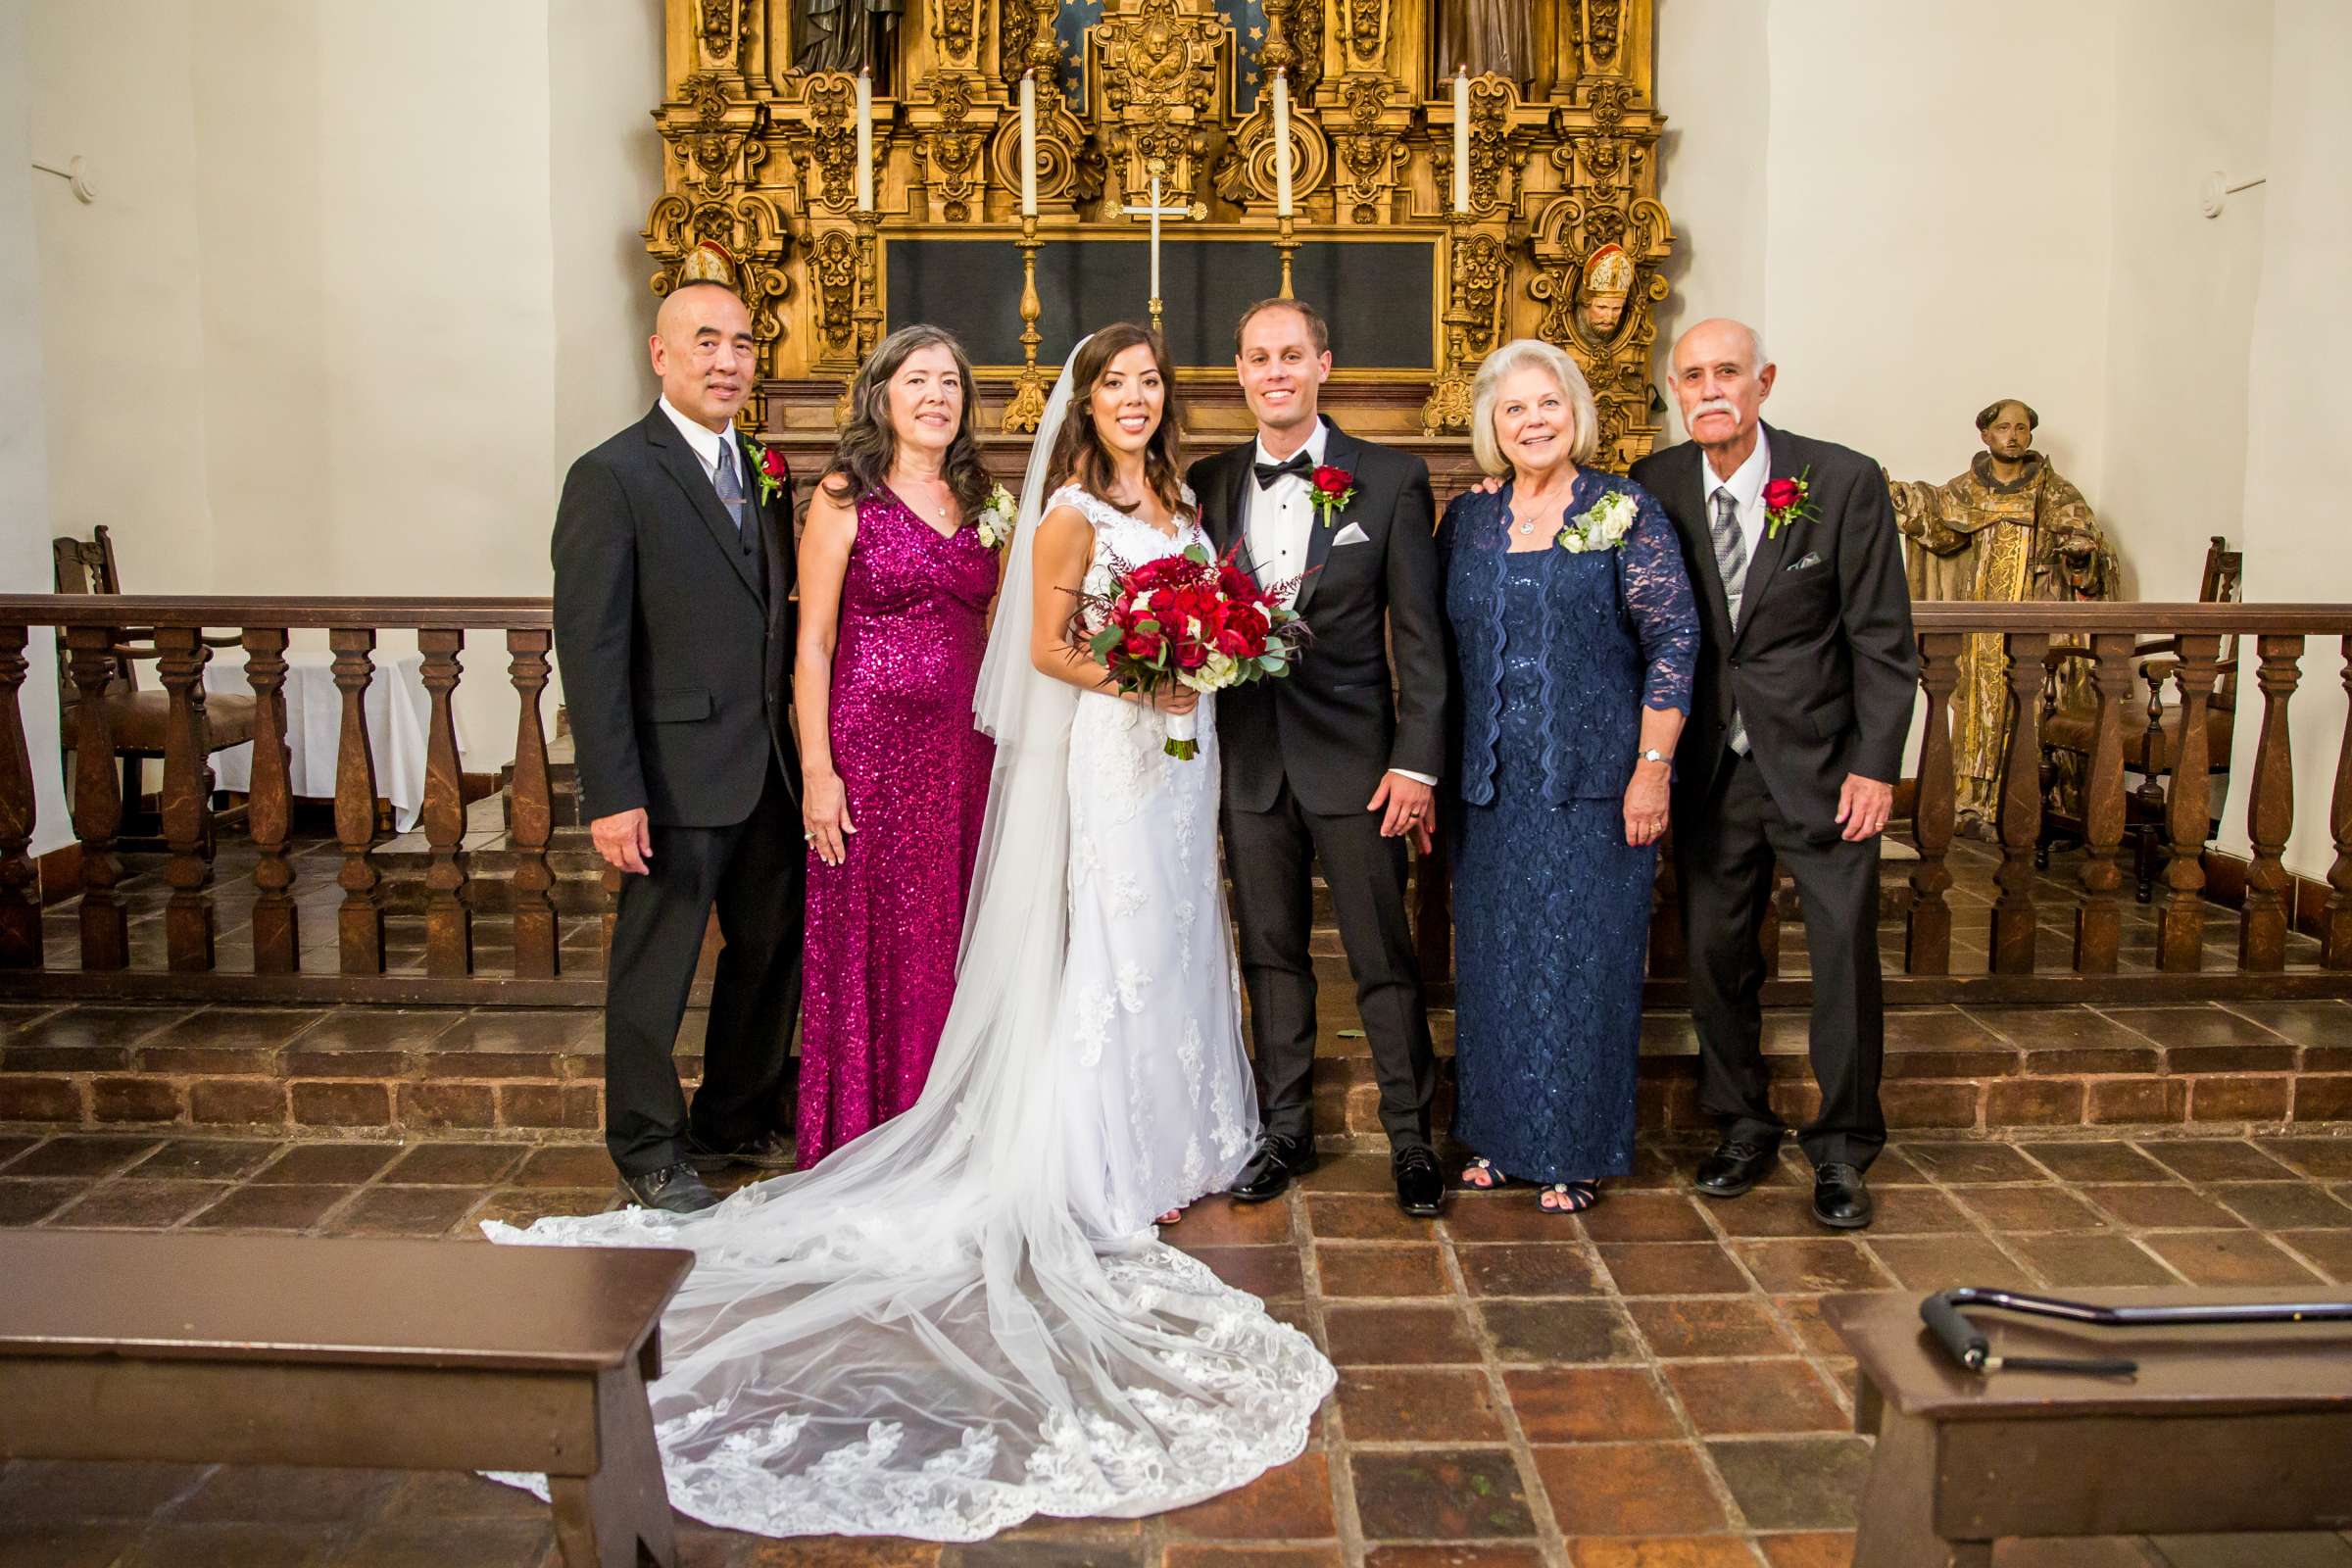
x: 1480, y: 1167
x: 1568, y: 1198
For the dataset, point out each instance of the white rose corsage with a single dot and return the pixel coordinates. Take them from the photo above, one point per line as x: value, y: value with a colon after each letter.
x: 1603, y: 527
x: 996, y: 520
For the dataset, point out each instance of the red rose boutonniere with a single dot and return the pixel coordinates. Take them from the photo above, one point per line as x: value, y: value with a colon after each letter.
x: 774, y: 472
x: 1787, y: 501
x: 1334, y: 488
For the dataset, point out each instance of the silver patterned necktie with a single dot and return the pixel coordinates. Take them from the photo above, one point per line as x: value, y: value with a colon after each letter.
x: 730, y: 488
x: 1730, y: 564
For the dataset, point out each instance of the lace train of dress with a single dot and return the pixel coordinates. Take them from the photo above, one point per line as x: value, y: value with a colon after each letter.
x: 961, y: 1319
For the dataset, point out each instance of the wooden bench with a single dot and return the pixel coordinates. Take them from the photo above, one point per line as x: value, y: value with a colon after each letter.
x: 2225, y: 1430
x: 419, y: 1355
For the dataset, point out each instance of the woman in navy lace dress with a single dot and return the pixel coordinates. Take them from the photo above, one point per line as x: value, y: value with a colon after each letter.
x: 1573, y: 637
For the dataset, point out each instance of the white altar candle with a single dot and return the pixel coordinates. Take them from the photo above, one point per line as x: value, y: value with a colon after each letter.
x: 1029, y: 142
x: 865, y: 141
x: 1461, y: 138
x: 1154, y: 236
x: 1282, y: 144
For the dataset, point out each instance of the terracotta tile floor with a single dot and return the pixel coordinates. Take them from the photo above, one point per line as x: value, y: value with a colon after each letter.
x: 1648, y: 1386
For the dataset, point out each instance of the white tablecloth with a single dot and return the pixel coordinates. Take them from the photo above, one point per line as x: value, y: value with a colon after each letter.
x: 399, y: 715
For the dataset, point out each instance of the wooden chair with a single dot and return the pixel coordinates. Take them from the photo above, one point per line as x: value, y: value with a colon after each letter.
x: 2151, y: 733
x: 137, y: 718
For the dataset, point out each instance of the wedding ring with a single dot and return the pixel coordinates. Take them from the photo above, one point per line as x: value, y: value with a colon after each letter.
x: 808, y: 838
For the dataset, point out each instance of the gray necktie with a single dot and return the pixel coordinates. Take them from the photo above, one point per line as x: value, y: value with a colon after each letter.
x: 730, y: 487
x: 1730, y: 563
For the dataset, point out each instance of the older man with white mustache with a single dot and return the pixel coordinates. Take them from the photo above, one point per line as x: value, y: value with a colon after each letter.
x: 1799, y: 710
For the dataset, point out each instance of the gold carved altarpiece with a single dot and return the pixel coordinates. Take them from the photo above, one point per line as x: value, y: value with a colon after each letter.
x: 1563, y: 167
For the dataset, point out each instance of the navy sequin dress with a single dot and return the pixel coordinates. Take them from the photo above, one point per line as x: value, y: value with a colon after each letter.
x: 1555, y: 654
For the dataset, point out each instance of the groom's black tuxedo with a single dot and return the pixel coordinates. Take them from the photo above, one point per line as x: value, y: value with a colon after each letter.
x: 1822, y: 670
x: 1330, y: 727
x: 1302, y: 758
x: 674, y: 632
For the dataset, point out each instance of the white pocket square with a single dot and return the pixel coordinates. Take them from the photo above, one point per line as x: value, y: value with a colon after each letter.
x: 1352, y: 534
x: 1810, y: 561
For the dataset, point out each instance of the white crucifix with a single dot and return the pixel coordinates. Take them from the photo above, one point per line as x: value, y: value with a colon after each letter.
x: 1156, y: 212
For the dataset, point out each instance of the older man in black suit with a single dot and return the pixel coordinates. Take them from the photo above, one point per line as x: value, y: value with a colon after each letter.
x: 1326, y: 766
x: 1806, y: 675
x: 673, y: 557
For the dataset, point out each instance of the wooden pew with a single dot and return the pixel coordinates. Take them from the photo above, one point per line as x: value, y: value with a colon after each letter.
x: 419, y: 1355
x: 2231, y: 1430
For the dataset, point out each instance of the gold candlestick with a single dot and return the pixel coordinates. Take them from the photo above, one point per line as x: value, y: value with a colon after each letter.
x: 1028, y: 405
x: 866, y: 318
x: 1448, y: 410
x: 1285, y: 245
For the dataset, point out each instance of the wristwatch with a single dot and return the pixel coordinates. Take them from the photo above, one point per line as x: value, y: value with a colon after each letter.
x: 1653, y: 755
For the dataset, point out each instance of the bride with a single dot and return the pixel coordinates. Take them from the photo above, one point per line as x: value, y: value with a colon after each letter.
x: 963, y: 1318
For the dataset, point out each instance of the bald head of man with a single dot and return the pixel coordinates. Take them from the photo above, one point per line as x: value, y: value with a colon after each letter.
x: 1722, y: 376
x: 702, y: 350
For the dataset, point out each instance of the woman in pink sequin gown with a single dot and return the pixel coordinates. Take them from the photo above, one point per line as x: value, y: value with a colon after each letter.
x: 895, y: 589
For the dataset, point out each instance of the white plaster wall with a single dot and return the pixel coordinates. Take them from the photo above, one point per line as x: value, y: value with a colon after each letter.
x: 1715, y: 81
x: 2191, y: 98
x: 26, y: 391
x: 2298, y: 438
x: 352, y: 267
x: 119, y: 325
x: 1938, y: 230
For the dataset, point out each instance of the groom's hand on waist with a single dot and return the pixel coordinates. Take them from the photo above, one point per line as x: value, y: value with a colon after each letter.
x: 1406, y: 806
x: 626, y: 839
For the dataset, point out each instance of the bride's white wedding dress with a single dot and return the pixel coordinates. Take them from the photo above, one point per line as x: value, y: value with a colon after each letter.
x: 962, y: 1318
x: 1150, y: 1015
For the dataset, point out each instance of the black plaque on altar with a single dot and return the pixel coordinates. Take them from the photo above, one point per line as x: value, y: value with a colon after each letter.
x: 1377, y: 295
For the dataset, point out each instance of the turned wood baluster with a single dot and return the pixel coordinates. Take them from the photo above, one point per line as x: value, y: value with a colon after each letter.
x: 2014, y: 931
x: 2265, y: 918
x: 2098, y: 918
x: 1433, y: 912
x: 97, y: 800
x: 188, y: 915
x: 448, y: 922
x: 1669, y: 959
x: 269, y: 812
x: 533, y: 810
x: 2180, y: 928
x: 20, y: 896
x: 2336, y: 939
x: 1927, y: 933
x: 360, y: 920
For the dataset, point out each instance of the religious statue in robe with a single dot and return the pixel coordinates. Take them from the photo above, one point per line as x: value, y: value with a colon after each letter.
x: 846, y: 35
x: 1601, y: 289
x: 2010, y: 530
x: 1486, y: 36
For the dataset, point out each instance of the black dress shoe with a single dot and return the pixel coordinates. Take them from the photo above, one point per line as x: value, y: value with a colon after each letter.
x: 1736, y: 1164
x: 1841, y: 1199
x: 673, y: 1189
x: 1420, y: 1189
x: 771, y: 1151
x: 1272, y: 1168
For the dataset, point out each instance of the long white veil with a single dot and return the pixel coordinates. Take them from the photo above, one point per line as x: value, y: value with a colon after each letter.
x: 919, y: 1338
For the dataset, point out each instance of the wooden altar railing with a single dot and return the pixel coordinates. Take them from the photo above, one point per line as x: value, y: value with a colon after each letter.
x: 2271, y: 959
x: 2275, y: 635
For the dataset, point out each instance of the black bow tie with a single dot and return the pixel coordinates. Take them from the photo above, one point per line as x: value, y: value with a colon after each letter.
x: 1297, y: 462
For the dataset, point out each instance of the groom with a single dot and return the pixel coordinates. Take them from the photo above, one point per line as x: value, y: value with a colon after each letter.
x: 674, y: 625
x: 1321, y: 766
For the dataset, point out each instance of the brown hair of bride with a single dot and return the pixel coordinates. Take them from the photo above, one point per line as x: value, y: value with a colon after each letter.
x: 1080, y: 453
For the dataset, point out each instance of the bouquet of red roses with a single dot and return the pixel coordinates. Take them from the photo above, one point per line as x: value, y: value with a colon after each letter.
x: 1191, y: 620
